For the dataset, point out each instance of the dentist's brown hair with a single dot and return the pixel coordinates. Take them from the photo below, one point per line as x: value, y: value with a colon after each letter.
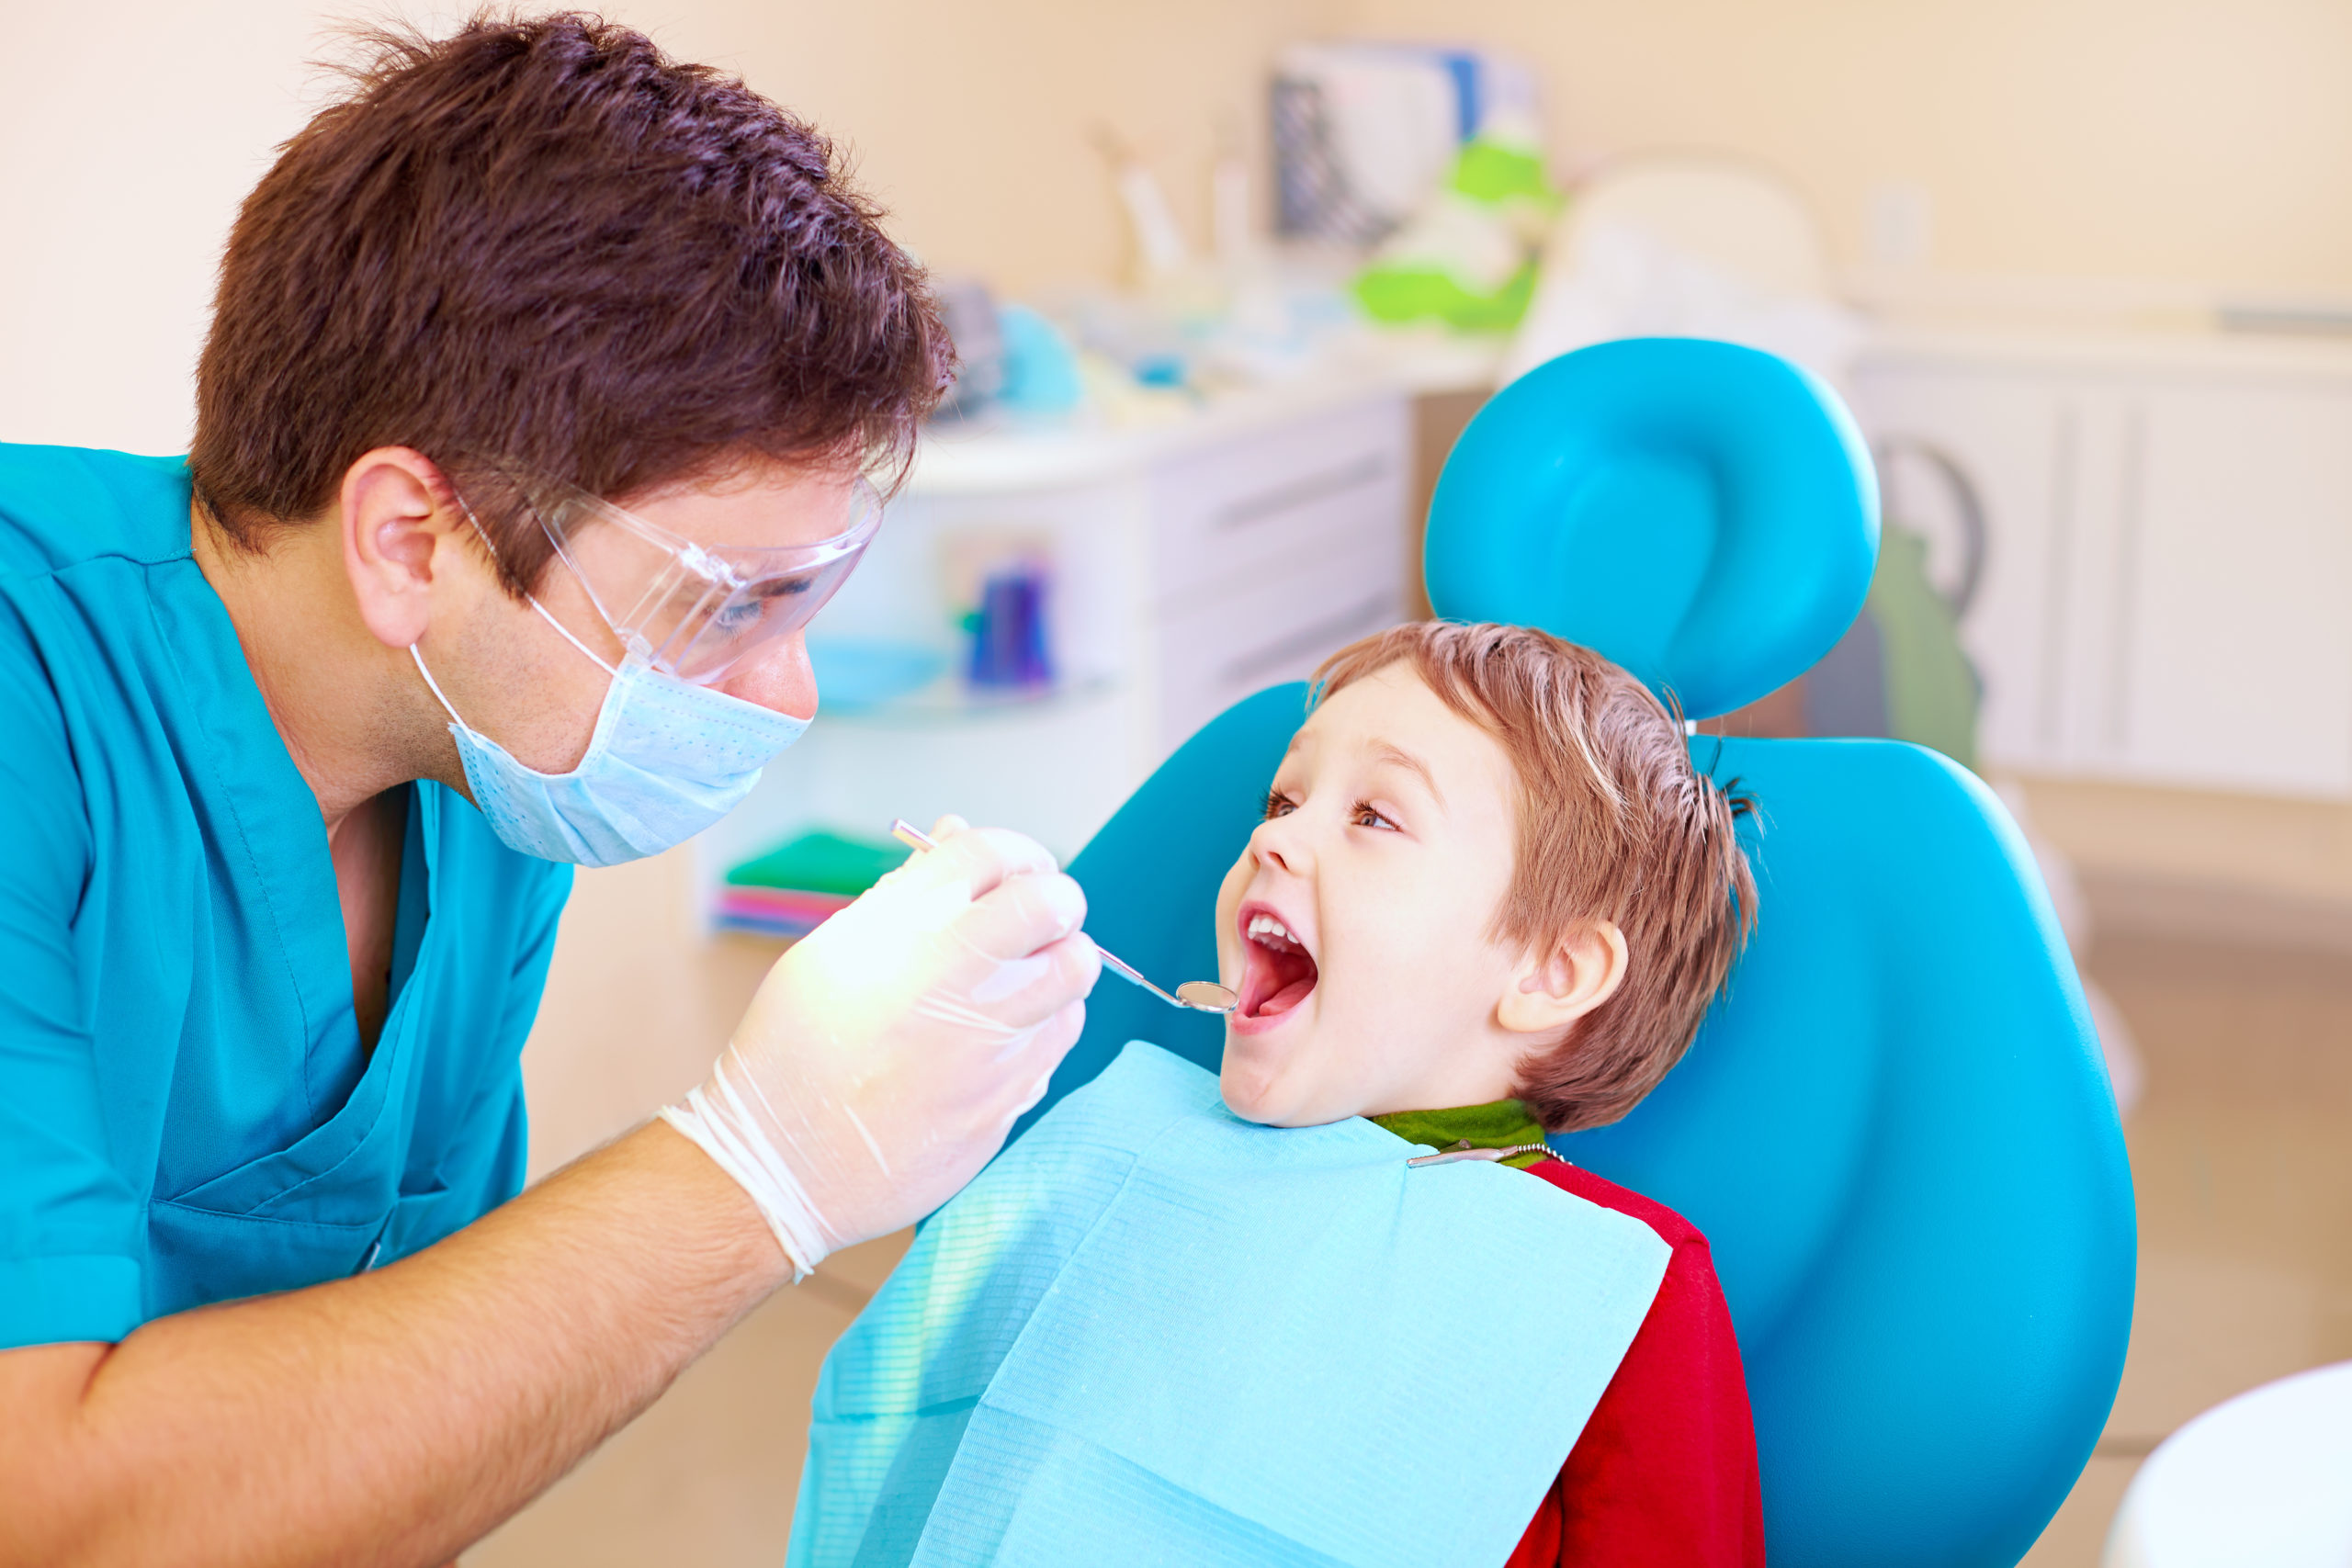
x: 1614, y: 824
x: 541, y: 242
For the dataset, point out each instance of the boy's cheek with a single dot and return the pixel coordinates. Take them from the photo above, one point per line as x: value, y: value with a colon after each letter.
x: 1230, y: 893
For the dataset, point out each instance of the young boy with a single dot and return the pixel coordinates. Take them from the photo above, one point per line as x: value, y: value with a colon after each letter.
x: 1491, y: 898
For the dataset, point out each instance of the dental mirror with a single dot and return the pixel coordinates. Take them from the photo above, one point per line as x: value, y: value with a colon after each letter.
x: 1200, y: 996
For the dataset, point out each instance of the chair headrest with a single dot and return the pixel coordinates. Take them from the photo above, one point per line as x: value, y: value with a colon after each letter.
x: 1704, y: 514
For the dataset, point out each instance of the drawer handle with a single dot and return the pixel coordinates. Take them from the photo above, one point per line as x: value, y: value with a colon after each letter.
x: 1331, y: 632
x: 1268, y: 503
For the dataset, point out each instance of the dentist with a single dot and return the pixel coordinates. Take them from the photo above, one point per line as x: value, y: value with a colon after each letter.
x: 533, y: 423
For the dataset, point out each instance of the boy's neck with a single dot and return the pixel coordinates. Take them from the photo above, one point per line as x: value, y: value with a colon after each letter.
x: 1499, y: 1125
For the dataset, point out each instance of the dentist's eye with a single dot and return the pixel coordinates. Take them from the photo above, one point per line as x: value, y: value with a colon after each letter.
x: 1363, y: 815
x: 735, y: 616
x: 1279, y: 805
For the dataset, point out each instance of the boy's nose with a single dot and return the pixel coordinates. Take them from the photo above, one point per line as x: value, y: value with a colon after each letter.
x: 1278, y: 843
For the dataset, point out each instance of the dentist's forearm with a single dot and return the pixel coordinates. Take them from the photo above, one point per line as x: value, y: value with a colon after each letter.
x: 398, y: 1416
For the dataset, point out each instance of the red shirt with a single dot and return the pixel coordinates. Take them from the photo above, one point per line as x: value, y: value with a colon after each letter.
x: 1664, y: 1472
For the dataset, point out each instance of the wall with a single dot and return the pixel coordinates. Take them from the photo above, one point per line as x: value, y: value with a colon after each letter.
x: 974, y: 122
x: 2191, y: 139
x: 125, y: 149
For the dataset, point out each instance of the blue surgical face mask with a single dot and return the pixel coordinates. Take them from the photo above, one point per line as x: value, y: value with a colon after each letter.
x: 668, y: 759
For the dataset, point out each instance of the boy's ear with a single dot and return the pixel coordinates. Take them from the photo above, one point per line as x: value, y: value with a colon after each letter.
x: 1555, y: 986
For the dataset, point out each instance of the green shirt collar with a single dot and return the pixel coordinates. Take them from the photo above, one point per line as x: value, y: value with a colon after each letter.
x: 1503, y: 1124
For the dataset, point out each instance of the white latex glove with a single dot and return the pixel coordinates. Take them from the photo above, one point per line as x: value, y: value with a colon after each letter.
x: 887, y: 1054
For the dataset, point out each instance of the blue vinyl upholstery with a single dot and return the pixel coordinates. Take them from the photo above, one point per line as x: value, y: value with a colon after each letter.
x: 1894, y: 1127
x: 1706, y: 515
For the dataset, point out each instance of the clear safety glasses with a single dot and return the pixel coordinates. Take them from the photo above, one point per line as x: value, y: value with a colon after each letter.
x: 695, y: 610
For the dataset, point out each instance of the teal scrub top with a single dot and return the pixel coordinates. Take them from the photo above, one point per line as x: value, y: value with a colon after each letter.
x: 186, y: 1113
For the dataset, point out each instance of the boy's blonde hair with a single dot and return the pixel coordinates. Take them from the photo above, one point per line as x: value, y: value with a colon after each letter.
x: 1614, y: 824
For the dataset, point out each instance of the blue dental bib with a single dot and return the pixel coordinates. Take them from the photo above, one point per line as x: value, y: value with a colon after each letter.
x: 1151, y: 1332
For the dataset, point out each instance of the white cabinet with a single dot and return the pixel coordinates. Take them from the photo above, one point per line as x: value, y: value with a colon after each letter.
x: 2170, y: 553
x: 2234, y: 644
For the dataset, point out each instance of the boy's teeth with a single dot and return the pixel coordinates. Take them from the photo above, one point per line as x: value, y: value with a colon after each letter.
x: 1266, y: 925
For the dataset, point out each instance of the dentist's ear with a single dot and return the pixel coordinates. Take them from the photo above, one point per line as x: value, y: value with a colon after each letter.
x: 1555, y: 987
x: 396, y: 531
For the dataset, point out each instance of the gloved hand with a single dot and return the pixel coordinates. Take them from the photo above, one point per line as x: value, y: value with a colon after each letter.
x: 887, y: 1054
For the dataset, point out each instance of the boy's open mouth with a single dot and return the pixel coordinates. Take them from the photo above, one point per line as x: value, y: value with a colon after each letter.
x: 1277, y: 970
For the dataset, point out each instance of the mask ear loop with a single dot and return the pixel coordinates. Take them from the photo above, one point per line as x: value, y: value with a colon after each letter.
x: 451, y: 708
x: 574, y: 641
x: 492, y: 546
x: 436, y: 685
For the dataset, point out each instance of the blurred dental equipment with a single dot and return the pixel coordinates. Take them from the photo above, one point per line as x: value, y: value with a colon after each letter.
x: 1202, y: 995
x: 1364, y: 133
x: 1161, y: 251
x: 1688, y: 245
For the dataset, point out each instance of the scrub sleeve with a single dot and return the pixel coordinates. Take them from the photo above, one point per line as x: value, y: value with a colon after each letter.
x: 186, y: 1113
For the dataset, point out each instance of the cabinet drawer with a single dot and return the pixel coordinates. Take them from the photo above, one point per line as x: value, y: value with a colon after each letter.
x: 1275, y: 626
x: 1220, y: 516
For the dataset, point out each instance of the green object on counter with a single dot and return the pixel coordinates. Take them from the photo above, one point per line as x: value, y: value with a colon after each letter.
x: 1401, y: 294
x: 1496, y: 172
x: 822, y: 863
x: 1468, y: 258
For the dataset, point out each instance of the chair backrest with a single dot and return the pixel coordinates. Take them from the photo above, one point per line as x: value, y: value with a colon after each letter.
x: 1894, y: 1128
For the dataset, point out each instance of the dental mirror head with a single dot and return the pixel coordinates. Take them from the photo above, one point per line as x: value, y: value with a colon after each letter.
x: 1207, y: 995
x: 1201, y: 996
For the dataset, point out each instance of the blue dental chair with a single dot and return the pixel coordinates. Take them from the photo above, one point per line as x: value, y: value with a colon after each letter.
x: 1894, y: 1127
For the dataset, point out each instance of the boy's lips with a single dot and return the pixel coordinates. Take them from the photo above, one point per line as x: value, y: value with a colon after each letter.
x: 1277, y: 970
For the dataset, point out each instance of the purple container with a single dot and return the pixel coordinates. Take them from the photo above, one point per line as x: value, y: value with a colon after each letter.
x: 1009, y: 650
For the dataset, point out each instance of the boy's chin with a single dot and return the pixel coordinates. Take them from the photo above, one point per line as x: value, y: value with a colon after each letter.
x: 1268, y: 1100
x: 1253, y: 1096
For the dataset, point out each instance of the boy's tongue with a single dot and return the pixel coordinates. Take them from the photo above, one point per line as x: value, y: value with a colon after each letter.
x: 1289, y: 997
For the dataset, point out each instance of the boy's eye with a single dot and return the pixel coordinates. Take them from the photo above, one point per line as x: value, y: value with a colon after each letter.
x: 1363, y: 815
x: 1279, y: 805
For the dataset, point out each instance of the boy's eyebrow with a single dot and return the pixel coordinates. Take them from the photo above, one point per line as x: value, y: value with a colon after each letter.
x: 1389, y: 751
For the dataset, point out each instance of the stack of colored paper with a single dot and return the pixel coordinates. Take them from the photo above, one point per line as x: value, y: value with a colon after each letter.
x: 791, y: 891
x: 774, y: 911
